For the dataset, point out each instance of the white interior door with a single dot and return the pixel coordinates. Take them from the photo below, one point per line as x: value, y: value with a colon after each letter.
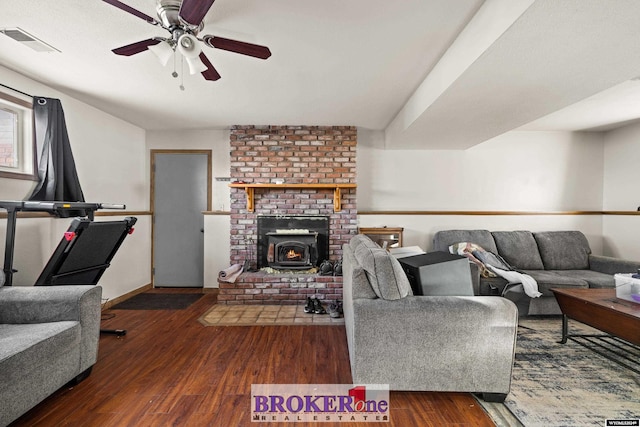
x: 180, y: 196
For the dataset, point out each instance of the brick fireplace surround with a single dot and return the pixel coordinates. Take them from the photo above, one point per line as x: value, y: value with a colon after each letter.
x: 298, y: 155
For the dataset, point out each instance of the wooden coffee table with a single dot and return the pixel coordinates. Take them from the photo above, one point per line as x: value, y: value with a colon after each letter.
x: 599, y: 308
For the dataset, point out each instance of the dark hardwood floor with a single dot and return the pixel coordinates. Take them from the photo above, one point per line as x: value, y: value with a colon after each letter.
x: 171, y: 370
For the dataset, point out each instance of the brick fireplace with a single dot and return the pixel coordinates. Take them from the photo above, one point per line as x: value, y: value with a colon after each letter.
x: 295, y: 155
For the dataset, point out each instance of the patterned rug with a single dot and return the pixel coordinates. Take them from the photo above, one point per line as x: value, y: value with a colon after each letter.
x: 565, y: 384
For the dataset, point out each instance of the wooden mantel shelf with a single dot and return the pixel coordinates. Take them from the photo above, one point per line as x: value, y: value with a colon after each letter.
x: 250, y: 187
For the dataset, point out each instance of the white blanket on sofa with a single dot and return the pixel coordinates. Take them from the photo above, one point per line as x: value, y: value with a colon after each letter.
x: 485, y: 260
x: 528, y: 283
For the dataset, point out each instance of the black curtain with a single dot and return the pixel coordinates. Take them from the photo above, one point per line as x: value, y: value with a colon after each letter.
x: 57, y: 176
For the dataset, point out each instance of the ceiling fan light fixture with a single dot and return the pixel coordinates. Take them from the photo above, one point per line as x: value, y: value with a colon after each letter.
x: 188, y: 46
x: 163, y: 51
x: 195, y: 65
x: 184, y: 20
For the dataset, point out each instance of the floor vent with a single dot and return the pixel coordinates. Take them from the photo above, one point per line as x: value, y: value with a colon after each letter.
x: 21, y: 36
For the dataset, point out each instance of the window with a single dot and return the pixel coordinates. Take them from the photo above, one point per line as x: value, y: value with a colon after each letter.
x: 16, y: 138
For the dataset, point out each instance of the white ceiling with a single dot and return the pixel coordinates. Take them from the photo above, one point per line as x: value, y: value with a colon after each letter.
x: 367, y: 63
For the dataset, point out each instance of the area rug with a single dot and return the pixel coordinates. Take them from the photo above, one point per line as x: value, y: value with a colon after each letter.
x: 158, y: 301
x: 249, y: 315
x: 565, y: 384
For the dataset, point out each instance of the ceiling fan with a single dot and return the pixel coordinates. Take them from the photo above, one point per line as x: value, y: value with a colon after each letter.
x: 183, y: 20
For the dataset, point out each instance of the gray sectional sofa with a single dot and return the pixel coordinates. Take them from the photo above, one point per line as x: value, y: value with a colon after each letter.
x: 422, y: 343
x: 48, y: 338
x: 555, y: 259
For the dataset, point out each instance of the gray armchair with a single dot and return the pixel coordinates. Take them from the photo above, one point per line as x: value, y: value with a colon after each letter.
x: 48, y: 337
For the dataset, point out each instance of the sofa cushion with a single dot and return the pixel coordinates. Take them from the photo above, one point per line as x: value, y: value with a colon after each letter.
x: 28, y: 347
x: 443, y: 239
x: 384, y: 272
x: 593, y: 278
x: 361, y: 287
x: 563, y: 250
x: 354, y: 273
x: 555, y: 279
x: 519, y: 249
x: 361, y: 240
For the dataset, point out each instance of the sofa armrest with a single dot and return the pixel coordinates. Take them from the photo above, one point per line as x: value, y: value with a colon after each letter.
x: 434, y: 343
x: 41, y: 304
x: 611, y: 265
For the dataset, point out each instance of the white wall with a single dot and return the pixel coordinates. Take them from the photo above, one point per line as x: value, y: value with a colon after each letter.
x: 518, y: 171
x: 217, y: 247
x: 216, y: 227
x: 622, y: 169
x: 622, y: 192
x: 110, y: 156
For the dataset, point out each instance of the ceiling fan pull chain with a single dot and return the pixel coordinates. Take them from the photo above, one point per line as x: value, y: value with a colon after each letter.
x: 181, y: 72
x: 174, y: 74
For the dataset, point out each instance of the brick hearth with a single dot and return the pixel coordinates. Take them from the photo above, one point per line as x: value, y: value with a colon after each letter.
x: 298, y: 155
x: 264, y: 288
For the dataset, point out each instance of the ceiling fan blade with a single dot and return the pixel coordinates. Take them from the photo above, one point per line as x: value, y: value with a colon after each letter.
x: 193, y: 11
x: 132, y: 11
x: 133, y: 48
x: 210, y: 73
x: 236, y: 46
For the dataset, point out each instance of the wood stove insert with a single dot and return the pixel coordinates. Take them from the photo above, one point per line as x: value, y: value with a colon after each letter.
x: 292, y: 242
x: 292, y: 249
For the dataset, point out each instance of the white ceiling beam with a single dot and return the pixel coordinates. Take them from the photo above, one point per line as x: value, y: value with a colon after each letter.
x: 491, y: 21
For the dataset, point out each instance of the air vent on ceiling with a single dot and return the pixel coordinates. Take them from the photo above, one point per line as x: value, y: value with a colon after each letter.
x: 21, y: 36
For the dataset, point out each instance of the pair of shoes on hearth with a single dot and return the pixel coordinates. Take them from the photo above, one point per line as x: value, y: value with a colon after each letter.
x: 335, y: 309
x: 329, y: 269
x: 326, y: 268
x: 337, y: 268
x: 314, y: 306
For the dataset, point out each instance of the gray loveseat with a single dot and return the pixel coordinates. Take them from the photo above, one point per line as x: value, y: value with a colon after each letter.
x: 555, y: 259
x: 422, y: 343
x: 48, y: 337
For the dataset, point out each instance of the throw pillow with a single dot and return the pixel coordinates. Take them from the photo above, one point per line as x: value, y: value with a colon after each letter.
x: 384, y: 272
